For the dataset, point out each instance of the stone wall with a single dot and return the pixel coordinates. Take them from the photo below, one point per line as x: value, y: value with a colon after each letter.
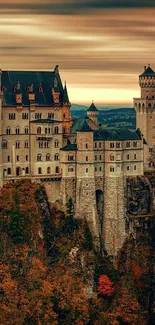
x: 67, y: 190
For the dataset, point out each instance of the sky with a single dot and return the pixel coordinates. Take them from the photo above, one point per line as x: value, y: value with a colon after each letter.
x: 100, y: 46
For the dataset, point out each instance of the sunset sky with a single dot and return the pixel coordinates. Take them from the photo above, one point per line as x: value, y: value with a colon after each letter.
x: 100, y: 46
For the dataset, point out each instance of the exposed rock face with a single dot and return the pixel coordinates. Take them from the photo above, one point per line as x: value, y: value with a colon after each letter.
x: 138, y: 196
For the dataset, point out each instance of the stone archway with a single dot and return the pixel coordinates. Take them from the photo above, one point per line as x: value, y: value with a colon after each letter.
x: 100, y: 206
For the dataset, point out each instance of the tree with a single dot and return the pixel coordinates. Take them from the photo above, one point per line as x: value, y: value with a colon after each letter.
x: 105, y: 287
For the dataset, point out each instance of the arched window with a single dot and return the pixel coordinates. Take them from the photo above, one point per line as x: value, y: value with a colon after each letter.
x: 139, y: 105
x: 39, y: 170
x: 135, y: 144
x: 39, y: 157
x: 9, y: 171
x: 128, y: 144
x: 64, y: 116
x: 70, y: 157
x: 48, y: 170
x: 56, y: 144
x: 17, y: 130
x: 149, y: 105
x: 118, y: 157
x: 26, y: 144
x: 57, y: 170
x: 86, y: 158
x: 56, y: 156
x: 45, y: 130
x: 112, y: 157
x: 4, y: 144
x: 86, y: 145
x: 56, y: 130
x: 39, y: 130
x: 27, y: 170
x: 70, y: 169
x: 26, y: 130
x: 8, y: 130
x: 17, y: 144
x: 48, y: 157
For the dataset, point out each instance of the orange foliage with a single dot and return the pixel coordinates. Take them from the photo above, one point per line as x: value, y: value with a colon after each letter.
x: 105, y: 286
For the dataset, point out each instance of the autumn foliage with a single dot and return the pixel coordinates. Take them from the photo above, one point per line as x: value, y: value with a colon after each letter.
x: 105, y: 286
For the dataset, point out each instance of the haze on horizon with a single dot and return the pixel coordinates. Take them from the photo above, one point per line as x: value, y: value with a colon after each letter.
x: 100, y: 46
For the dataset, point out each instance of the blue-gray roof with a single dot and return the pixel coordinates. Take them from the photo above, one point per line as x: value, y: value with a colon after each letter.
x: 148, y: 72
x: 117, y: 135
x: 70, y: 147
x: 45, y: 79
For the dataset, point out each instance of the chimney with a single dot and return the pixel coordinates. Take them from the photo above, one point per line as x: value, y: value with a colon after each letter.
x: 144, y: 68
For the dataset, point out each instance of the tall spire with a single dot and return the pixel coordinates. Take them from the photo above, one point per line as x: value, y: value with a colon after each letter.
x: 65, y: 95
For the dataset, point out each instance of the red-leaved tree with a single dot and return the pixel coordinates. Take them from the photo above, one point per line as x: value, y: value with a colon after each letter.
x: 105, y: 286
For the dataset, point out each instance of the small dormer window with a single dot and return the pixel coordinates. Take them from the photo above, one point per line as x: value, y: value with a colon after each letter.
x: 15, y: 89
x: 28, y: 88
x: 3, y: 88
x: 40, y: 89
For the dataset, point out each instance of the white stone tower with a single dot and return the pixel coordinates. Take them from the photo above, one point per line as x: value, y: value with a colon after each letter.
x: 145, y: 111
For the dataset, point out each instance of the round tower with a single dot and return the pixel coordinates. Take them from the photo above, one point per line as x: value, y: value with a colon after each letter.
x: 145, y: 110
x: 92, y: 113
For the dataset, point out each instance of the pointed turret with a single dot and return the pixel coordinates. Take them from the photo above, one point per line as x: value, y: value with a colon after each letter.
x: 92, y: 113
x: 65, y: 95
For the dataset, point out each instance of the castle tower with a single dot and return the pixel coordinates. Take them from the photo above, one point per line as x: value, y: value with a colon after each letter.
x: 85, y: 184
x: 1, y: 162
x: 66, y: 111
x: 92, y: 113
x: 145, y: 111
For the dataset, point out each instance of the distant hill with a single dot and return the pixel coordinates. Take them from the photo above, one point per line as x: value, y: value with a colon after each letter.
x: 109, y: 116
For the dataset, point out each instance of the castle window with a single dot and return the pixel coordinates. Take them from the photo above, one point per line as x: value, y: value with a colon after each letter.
x: 45, y: 130
x: 112, y: 145
x: 86, y: 145
x: 4, y: 144
x: 112, y: 157
x: 50, y: 115
x: 64, y: 116
x: 86, y: 170
x: 56, y: 130
x: 150, y: 149
x: 150, y: 116
x: 56, y: 144
x: 38, y: 116
x: 26, y: 144
x: 39, y: 130
x: 17, y: 130
x: 56, y: 156
x: 100, y: 144
x: 128, y: 167
x: 100, y: 157
x: 12, y: 116
x: 17, y: 144
x: 57, y: 170
x: 40, y: 89
x: 41, y: 144
x: 39, y: 157
x: 25, y: 116
x: 49, y: 130
x: 39, y: 170
x: 135, y: 144
x: 135, y: 167
x: 8, y: 158
x: 112, y: 169
x: 26, y: 157
x: 64, y: 130
x: 95, y: 144
x: 128, y: 157
x: 17, y: 158
x: 26, y: 130
x: 128, y: 144
x: 118, y: 157
x: 70, y: 157
x: 86, y: 158
x: 95, y: 157
x: 48, y: 157
x: 95, y: 169
x: 149, y: 105
x: 27, y: 170
x: 70, y: 169
x: 48, y: 170
x: 8, y: 130
x: 9, y: 171
x: 135, y: 156
x: 118, y: 144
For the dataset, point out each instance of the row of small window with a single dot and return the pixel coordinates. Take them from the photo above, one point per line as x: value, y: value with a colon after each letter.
x: 57, y: 170
x: 47, y: 130
x: 112, y: 157
x: 17, y: 130
x: 128, y: 144
x: 9, y: 171
x: 48, y: 157
x: 18, y: 158
x: 17, y: 144
x: 112, y: 169
x: 25, y: 116
x: 100, y: 157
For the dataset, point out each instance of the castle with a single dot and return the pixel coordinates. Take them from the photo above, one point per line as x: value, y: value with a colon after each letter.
x: 72, y: 157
